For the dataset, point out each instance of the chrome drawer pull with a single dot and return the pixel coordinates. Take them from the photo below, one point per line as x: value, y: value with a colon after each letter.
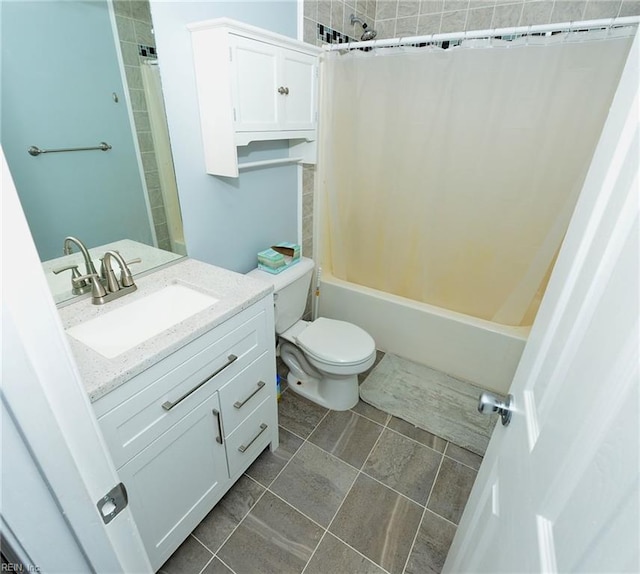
x: 263, y: 427
x: 217, y: 415
x: 239, y: 404
x: 167, y: 406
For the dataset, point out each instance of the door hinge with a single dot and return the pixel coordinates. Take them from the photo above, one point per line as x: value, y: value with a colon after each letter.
x: 112, y: 503
x: 230, y: 54
x: 234, y: 115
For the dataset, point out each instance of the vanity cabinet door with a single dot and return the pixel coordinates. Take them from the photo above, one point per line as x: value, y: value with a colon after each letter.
x: 174, y: 482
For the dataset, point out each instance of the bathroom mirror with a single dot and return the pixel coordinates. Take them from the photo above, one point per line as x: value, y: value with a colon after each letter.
x: 63, y: 88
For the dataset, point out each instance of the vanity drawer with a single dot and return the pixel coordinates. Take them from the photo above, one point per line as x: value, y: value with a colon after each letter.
x: 189, y: 377
x: 250, y: 438
x: 240, y: 396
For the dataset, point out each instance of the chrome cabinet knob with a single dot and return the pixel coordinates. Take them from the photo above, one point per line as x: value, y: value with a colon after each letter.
x: 489, y: 403
x: 283, y: 90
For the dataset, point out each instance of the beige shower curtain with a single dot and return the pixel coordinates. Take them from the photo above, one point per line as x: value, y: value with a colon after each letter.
x: 449, y: 176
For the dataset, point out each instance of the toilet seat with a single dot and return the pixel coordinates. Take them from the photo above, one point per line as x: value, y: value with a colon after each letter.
x: 336, y: 342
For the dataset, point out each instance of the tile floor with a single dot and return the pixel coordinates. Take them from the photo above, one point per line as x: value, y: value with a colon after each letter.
x: 346, y: 492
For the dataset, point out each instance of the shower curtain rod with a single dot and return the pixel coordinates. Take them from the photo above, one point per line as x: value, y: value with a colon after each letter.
x: 512, y: 31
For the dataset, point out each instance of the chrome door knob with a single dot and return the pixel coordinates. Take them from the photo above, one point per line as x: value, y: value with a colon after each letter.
x: 488, y: 403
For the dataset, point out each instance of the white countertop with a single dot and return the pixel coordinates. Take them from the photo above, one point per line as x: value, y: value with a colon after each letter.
x: 235, y: 292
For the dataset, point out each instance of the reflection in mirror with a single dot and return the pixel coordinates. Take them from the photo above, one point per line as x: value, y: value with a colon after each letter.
x: 82, y: 73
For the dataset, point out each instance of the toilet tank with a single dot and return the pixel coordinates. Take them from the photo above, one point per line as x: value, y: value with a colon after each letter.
x: 291, y: 288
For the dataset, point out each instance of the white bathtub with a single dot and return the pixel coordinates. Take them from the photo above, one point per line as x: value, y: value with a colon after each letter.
x: 476, y: 350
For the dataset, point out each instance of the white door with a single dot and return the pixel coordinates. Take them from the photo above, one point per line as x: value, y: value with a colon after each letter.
x: 558, y: 488
x: 49, y: 513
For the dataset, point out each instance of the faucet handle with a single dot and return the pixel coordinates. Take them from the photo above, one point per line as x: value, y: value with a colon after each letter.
x: 75, y: 274
x: 97, y: 288
x: 125, y: 273
x: 78, y: 284
x: 74, y: 270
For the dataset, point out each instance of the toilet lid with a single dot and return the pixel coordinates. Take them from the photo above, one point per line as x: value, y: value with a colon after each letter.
x: 336, y: 342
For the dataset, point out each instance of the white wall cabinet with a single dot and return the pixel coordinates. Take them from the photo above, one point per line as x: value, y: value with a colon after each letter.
x: 253, y: 85
x: 183, y: 431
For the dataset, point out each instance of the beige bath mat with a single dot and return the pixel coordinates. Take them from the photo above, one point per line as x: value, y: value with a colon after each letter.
x: 429, y: 399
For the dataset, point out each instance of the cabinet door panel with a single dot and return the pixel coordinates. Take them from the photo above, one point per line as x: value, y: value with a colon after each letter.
x: 255, y: 85
x: 299, y: 77
x: 176, y: 480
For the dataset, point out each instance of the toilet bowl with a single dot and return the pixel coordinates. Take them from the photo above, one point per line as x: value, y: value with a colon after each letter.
x: 324, y: 356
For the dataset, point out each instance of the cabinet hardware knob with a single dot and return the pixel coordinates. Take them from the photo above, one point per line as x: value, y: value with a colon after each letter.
x: 284, y: 91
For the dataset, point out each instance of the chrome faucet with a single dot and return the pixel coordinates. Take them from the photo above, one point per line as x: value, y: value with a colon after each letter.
x: 80, y: 284
x: 109, y: 288
x: 126, y: 280
x: 83, y: 249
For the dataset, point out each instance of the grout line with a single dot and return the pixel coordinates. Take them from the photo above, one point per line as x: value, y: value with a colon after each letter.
x: 394, y: 490
x: 434, y: 482
x: 442, y: 517
x: 415, y: 536
x: 201, y: 543
x: 293, y: 433
x: 384, y: 424
x: 460, y: 462
x: 331, y: 522
x: 237, y: 525
x: 418, y: 442
x: 229, y: 567
x: 296, y: 509
x: 209, y: 562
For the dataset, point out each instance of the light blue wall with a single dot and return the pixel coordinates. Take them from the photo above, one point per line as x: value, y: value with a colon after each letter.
x: 226, y: 221
x: 59, y: 71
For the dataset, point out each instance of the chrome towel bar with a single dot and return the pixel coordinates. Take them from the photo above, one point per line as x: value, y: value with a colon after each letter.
x: 35, y: 150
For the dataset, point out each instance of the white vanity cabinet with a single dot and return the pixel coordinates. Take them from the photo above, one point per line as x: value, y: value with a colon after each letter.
x: 185, y: 429
x: 253, y: 85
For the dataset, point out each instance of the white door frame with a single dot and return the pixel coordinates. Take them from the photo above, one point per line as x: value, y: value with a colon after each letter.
x: 51, y: 413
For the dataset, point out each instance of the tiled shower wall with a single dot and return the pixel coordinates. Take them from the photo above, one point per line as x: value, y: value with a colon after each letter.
x: 137, y: 44
x: 394, y: 18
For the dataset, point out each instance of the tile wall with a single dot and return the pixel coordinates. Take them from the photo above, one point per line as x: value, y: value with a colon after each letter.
x: 393, y: 18
x: 137, y: 44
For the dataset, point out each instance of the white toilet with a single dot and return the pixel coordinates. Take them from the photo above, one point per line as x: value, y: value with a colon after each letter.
x: 324, y: 356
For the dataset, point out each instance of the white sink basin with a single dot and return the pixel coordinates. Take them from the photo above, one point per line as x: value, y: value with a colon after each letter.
x: 124, y: 328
